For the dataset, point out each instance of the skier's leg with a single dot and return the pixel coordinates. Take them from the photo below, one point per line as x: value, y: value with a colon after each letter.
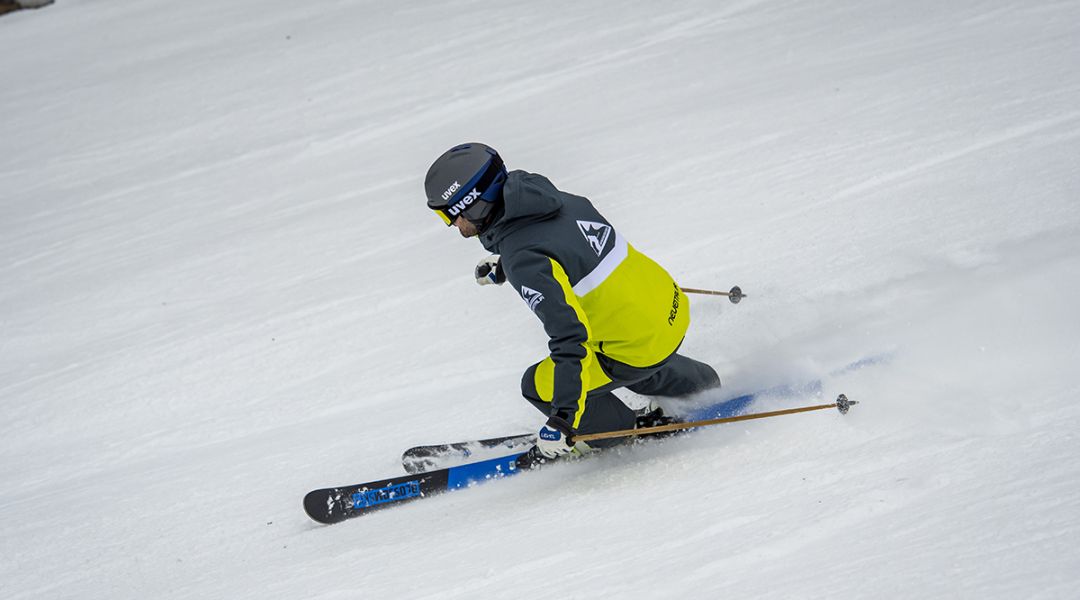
x: 604, y: 411
x: 678, y: 376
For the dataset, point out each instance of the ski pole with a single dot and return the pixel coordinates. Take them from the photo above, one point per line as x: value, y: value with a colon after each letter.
x: 735, y: 294
x: 842, y: 404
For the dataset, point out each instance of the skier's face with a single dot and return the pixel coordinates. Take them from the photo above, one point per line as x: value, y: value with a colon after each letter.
x: 466, y: 227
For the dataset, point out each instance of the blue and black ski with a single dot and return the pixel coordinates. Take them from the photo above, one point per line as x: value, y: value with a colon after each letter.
x: 421, y: 459
x: 333, y: 505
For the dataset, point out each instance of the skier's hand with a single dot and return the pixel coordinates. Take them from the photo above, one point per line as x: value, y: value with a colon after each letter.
x: 552, y: 439
x: 488, y: 271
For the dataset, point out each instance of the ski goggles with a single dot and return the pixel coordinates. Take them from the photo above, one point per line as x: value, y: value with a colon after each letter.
x: 445, y: 216
x: 475, y: 200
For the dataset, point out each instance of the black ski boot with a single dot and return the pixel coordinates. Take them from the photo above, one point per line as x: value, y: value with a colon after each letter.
x: 653, y: 416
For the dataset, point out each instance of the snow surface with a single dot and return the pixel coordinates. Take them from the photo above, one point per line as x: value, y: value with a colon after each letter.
x: 220, y: 288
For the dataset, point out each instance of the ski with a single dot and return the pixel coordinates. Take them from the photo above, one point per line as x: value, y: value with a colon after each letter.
x: 336, y: 504
x: 421, y: 459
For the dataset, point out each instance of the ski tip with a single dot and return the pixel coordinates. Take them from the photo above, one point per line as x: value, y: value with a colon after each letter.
x: 319, y: 506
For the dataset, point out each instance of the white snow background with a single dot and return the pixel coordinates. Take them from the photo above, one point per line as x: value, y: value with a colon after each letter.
x: 220, y: 288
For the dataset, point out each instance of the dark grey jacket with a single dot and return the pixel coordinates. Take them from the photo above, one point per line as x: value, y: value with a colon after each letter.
x: 591, y: 290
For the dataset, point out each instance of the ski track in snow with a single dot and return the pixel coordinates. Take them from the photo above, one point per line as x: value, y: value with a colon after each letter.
x: 219, y: 289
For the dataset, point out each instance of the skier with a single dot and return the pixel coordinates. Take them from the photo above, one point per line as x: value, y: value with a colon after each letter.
x: 614, y: 317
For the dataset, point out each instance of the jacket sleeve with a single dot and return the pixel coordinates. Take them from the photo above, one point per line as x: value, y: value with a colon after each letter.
x: 543, y: 285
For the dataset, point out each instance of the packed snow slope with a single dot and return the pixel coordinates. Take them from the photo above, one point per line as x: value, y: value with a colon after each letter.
x: 220, y: 288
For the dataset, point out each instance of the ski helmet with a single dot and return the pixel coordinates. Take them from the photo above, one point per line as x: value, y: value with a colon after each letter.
x: 467, y: 180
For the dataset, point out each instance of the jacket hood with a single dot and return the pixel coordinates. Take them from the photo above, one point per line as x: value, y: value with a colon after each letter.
x: 527, y: 198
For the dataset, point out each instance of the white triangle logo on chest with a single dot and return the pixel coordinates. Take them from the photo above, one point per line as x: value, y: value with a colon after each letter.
x: 596, y: 234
